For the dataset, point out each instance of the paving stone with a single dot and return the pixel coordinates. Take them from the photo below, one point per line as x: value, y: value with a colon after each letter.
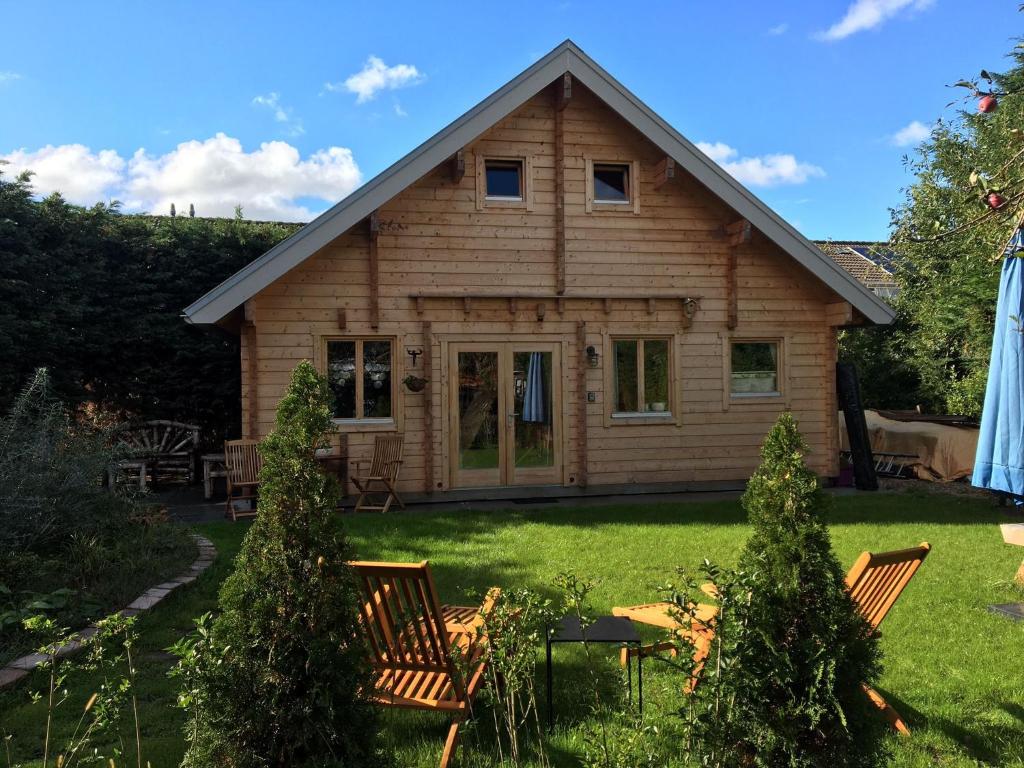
x: 144, y: 602
x: 186, y: 579
x: 29, y: 662
x: 69, y: 648
x: 129, y: 612
x: 156, y: 592
x: 9, y: 675
x: 88, y: 633
x: 168, y: 585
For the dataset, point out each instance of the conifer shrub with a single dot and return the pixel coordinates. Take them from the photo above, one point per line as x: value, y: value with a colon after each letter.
x: 275, y: 679
x: 782, y: 683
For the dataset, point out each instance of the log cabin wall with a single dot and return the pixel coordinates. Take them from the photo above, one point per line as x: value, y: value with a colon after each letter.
x: 437, y: 237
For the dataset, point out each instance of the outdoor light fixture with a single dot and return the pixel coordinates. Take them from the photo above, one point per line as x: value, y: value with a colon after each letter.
x: 592, y: 357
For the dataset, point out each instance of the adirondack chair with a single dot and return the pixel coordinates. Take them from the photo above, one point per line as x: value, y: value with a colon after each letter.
x: 242, y: 471
x: 875, y: 582
x: 383, y: 474
x: 410, y: 637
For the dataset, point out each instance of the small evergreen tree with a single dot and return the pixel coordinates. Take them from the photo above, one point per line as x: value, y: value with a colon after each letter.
x: 275, y: 679
x: 802, y: 650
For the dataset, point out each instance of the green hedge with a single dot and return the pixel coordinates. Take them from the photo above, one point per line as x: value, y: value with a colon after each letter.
x: 96, y: 296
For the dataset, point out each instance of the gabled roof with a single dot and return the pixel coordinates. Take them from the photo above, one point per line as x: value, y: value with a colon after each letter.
x: 872, y: 264
x: 567, y: 57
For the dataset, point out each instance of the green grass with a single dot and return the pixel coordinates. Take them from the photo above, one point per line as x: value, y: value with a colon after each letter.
x: 952, y: 668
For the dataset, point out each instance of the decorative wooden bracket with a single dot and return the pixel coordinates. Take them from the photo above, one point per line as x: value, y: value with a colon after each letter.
x: 737, y: 233
x: 607, y: 306
x: 565, y: 92
x: 541, y: 310
x: 560, y: 305
x: 374, y: 271
x: 839, y: 313
x: 342, y: 320
x: 652, y: 306
x: 513, y: 305
x: 664, y: 172
x: 419, y: 305
x: 467, y: 304
x: 458, y: 166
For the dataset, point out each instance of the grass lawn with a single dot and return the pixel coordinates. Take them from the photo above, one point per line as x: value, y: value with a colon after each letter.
x: 952, y: 668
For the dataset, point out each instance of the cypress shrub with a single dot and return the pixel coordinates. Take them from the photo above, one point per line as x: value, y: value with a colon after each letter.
x: 802, y: 649
x: 275, y: 678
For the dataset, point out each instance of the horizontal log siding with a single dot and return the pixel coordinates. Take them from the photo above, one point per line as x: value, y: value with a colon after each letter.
x: 433, y: 238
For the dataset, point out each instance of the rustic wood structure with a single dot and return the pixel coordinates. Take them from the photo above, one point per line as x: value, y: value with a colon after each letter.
x: 410, y: 637
x: 159, y: 450
x: 560, y: 230
x: 382, y: 476
x: 875, y: 581
x: 242, y: 469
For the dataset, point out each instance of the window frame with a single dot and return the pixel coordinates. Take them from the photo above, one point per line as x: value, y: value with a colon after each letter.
x: 626, y: 169
x: 780, y: 396
x: 597, y: 206
x: 369, y: 423
x: 483, y: 200
x: 493, y: 162
x: 671, y: 413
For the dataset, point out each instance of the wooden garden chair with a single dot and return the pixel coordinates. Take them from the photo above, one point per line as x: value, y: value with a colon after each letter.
x: 242, y: 471
x: 875, y: 582
x: 383, y: 474
x: 424, y: 655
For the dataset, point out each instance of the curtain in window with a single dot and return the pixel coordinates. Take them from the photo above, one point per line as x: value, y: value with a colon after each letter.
x: 533, y: 398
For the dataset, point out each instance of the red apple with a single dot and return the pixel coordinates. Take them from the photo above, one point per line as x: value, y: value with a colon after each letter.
x: 995, y: 200
x: 987, y: 104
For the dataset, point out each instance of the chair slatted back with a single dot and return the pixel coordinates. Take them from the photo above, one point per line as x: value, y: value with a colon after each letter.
x: 876, y: 580
x: 387, y: 456
x: 160, y: 438
x: 402, y: 618
x: 242, y: 461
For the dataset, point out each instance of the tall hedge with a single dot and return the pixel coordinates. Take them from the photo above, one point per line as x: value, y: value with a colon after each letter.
x: 95, y: 296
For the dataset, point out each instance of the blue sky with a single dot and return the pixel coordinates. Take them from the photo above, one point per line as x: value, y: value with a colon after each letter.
x: 286, y: 107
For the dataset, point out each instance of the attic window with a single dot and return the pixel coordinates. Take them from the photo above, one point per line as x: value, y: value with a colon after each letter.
x: 504, y: 179
x: 611, y: 183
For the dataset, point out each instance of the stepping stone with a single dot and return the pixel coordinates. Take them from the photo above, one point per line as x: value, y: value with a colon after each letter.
x: 9, y: 675
x: 144, y: 602
x: 69, y: 648
x: 167, y: 586
x: 29, y: 662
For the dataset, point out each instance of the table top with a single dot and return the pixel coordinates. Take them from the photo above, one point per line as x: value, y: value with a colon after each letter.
x: 212, y: 457
x: 602, y: 629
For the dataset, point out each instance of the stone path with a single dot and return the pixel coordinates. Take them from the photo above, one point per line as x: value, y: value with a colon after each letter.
x: 21, y: 667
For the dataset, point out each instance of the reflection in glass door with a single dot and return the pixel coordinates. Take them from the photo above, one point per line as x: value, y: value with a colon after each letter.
x: 505, y: 416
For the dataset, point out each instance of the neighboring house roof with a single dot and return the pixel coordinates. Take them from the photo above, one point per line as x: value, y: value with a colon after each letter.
x: 567, y: 57
x: 872, y: 264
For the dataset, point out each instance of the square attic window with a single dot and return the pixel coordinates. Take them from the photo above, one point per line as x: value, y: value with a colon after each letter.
x: 611, y: 183
x: 504, y: 179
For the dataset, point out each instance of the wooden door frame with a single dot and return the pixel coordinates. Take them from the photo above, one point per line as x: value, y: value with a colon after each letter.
x: 505, y: 347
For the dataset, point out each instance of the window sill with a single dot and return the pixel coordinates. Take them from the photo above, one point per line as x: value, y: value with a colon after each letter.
x: 643, y: 417
x: 366, y: 425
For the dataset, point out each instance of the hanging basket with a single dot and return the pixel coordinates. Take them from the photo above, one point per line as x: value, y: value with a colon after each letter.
x: 415, y: 383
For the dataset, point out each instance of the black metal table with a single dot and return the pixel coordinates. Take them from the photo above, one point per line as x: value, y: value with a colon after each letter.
x: 604, y: 629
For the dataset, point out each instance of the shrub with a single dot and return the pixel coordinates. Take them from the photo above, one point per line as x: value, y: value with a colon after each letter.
x: 800, y: 650
x: 275, y: 679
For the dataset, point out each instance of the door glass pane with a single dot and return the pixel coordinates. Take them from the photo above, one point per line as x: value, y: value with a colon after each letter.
x: 478, y: 410
x: 341, y: 374
x: 625, y: 376
x: 376, y: 379
x: 656, y: 375
x: 531, y: 398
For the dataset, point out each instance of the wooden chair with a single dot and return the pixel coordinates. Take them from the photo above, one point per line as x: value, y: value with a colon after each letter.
x: 383, y: 474
x: 875, y: 582
x: 242, y: 471
x: 424, y: 655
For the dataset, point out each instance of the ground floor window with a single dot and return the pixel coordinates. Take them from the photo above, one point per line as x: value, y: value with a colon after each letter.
x: 642, y: 376
x: 360, y: 375
x: 754, y: 368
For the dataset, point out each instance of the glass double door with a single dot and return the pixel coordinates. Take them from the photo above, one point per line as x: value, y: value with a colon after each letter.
x: 506, y: 414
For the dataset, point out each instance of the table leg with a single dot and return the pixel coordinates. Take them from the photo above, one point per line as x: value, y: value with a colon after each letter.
x: 551, y: 706
x: 629, y: 676
x: 640, y: 679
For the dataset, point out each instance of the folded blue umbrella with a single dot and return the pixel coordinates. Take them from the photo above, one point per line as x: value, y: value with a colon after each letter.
x: 999, y: 463
x: 533, y: 398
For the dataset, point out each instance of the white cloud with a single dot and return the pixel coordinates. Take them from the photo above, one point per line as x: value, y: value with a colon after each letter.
x: 760, y: 171
x: 74, y: 170
x: 911, y: 134
x: 866, y: 14
x: 399, y: 111
x: 272, y: 101
x: 6, y: 76
x: 778, y: 29
x: 377, y: 76
x: 271, y: 182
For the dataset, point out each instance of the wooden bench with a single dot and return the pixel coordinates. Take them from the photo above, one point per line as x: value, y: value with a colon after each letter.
x: 159, y: 450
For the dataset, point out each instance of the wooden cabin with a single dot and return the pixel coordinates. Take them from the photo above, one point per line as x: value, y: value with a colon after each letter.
x: 555, y: 294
